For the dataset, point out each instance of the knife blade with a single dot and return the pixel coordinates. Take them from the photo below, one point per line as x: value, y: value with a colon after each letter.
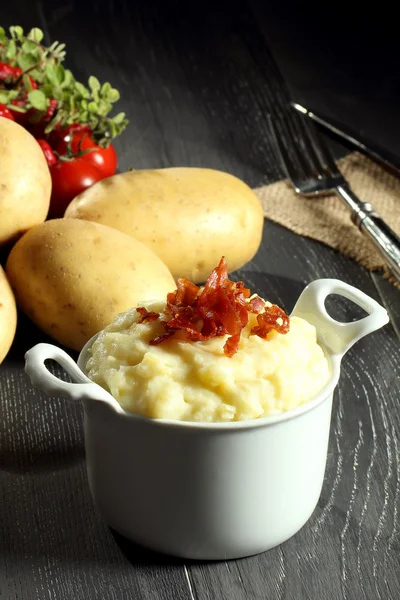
x: 366, y: 146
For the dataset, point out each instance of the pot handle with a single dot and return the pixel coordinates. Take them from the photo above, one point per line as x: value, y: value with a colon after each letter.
x: 82, y: 388
x: 335, y: 336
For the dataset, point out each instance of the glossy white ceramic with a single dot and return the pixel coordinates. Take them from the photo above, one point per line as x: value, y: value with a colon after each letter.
x: 219, y: 490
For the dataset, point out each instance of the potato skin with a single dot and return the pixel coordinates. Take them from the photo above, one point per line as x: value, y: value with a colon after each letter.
x: 8, y: 316
x: 25, y: 181
x: 189, y: 217
x: 72, y: 277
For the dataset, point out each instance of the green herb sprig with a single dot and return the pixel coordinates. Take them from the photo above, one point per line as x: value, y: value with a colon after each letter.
x: 76, y: 103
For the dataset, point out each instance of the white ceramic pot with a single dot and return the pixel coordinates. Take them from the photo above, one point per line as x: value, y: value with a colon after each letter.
x: 211, y: 491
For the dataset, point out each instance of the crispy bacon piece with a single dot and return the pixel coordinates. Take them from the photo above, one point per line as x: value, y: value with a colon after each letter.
x: 268, y: 320
x: 146, y: 316
x: 220, y: 308
x: 256, y: 305
x: 231, y: 345
x: 185, y: 295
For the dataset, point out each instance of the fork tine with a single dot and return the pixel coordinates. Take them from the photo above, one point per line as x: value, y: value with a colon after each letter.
x: 287, y: 163
x: 309, y: 166
x: 298, y: 148
x: 311, y: 157
x: 319, y: 148
x: 294, y: 156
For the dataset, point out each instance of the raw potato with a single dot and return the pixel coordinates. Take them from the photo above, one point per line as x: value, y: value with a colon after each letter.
x: 8, y: 316
x: 189, y: 217
x: 72, y: 277
x: 25, y: 182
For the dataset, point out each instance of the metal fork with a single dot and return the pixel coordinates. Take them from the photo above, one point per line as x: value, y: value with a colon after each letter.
x: 312, y: 170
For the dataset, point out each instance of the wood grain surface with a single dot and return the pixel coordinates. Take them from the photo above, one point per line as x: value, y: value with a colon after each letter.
x: 197, y: 82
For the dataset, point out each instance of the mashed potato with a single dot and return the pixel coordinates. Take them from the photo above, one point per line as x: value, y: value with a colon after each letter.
x: 196, y: 381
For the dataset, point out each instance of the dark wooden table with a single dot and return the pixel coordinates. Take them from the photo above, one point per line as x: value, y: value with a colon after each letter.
x: 197, y: 81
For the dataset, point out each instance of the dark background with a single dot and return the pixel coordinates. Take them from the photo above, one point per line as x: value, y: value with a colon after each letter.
x: 340, y: 60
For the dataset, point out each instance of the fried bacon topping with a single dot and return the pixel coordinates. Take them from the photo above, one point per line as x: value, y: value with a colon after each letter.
x: 220, y: 308
x: 146, y: 316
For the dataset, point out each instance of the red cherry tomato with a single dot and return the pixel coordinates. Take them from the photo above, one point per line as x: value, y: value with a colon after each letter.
x: 4, y: 112
x: 6, y: 71
x: 17, y: 72
x: 69, y: 178
x: 59, y: 134
x: 104, y: 159
x: 50, y: 109
x: 48, y: 152
x: 20, y: 117
x: 34, y: 83
x: 37, y: 129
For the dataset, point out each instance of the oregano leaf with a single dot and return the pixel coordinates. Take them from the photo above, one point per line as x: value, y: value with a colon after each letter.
x: 26, y: 61
x: 27, y: 82
x: 94, y: 83
x: 18, y: 108
x: 29, y: 47
x: 11, y: 50
x: 105, y: 88
x: 119, y: 118
x: 16, y: 32
x: 113, y: 95
x: 35, y: 34
x: 77, y: 103
x: 37, y: 99
x: 82, y: 90
x: 60, y: 73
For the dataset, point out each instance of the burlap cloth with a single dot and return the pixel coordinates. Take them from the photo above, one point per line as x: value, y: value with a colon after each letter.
x: 327, y: 219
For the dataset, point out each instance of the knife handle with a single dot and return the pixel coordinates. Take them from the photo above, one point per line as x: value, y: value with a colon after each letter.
x: 371, y: 224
